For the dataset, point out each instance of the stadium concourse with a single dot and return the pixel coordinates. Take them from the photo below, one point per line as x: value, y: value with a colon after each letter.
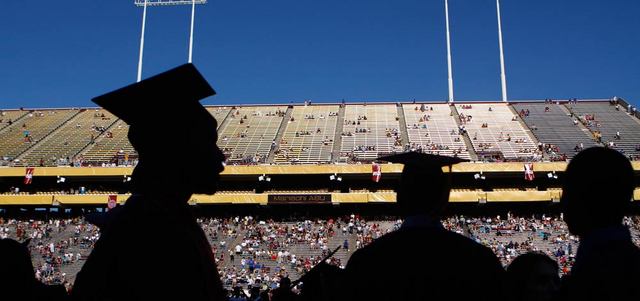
x: 550, y: 130
x: 250, y: 251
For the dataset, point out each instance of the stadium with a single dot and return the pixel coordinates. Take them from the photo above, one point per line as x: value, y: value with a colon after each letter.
x: 297, y: 163
x: 303, y: 183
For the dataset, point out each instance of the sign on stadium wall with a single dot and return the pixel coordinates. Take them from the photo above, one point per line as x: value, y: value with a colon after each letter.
x: 299, y: 199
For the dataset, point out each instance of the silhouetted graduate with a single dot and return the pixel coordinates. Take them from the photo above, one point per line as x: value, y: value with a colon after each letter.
x: 532, y: 277
x: 283, y: 292
x: 597, y: 192
x: 422, y: 260
x: 322, y: 282
x: 17, y: 277
x: 152, y: 247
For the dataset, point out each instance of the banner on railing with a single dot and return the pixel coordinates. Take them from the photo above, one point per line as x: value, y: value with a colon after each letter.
x: 376, y: 170
x: 28, y: 177
x: 112, y: 201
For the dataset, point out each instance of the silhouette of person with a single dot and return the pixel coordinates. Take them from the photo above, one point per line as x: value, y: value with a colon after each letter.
x: 532, y: 277
x: 152, y: 247
x: 597, y: 191
x: 17, y: 278
x: 283, y: 292
x: 321, y: 283
x: 422, y: 259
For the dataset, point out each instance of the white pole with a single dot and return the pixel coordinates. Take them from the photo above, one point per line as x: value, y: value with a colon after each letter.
x: 193, y: 13
x: 503, y: 77
x: 144, y: 20
x: 446, y: 9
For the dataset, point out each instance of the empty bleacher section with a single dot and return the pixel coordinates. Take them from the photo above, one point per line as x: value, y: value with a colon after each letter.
x: 551, y: 125
x: 108, y: 147
x: 308, y: 136
x: 432, y: 129
x: 8, y: 117
x: 116, y: 147
x: 29, y: 130
x: 336, y: 133
x: 370, y: 130
x: 60, y: 147
x: 605, y: 120
x: 495, y: 132
x: 248, y: 135
x: 219, y: 113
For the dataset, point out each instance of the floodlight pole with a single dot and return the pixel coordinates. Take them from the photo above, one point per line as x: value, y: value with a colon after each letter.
x: 144, y: 20
x: 193, y: 13
x: 450, y: 73
x: 503, y: 77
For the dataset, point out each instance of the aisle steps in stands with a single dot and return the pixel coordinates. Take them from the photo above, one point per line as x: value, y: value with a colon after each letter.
x: 403, y: 125
x: 582, y: 127
x: 534, y: 138
x: 278, y: 139
x: 467, y: 140
x: 337, y: 140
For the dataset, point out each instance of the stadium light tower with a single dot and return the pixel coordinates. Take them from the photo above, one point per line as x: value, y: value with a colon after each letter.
x: 145, y: 3
x: 503, y: 77
x: 450, y: 73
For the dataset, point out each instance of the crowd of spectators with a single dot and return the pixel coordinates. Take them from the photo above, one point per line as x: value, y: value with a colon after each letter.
x: 254, y: 252
x: 58, y: 246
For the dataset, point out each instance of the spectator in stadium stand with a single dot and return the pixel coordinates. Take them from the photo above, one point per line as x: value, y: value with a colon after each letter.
x: 17, y: 279
x: 447, y: 265
x: 598, y: 187
x: 152, y: 248
x: 532, y: 277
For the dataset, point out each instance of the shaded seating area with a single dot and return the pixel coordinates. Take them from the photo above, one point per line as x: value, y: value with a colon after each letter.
x: 553, y: 125
x: 370, y: 130
x: 432, y: 129
x: 605, y: 121
x: 308, y: 135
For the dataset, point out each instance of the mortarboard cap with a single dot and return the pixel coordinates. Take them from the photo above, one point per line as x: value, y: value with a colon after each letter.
x: 181, y: 85
x: 424, y: 187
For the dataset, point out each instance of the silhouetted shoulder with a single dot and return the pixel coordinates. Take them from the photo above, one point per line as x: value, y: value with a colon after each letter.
x: 407, y: 263
x: 610, y: 272
x: 148, y: 251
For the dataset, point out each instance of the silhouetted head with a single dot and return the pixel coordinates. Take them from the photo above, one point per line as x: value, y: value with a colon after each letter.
x: 285, y: 283
x: 424, y: 187
x: 597, y: 190
x: 16, y: 273
x: 172, y: 132
x: 532, y: 277
x: 237, y: 291
x: 254, y: 292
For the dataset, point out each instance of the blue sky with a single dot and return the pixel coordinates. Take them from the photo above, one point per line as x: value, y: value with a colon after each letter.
x: 63, y: 53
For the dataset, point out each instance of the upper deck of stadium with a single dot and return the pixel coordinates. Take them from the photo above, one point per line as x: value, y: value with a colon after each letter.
x: 327, y: 133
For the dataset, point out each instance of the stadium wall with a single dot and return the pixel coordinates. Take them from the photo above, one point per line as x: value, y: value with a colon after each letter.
x: 293, y: 169
x: 263, y: 199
